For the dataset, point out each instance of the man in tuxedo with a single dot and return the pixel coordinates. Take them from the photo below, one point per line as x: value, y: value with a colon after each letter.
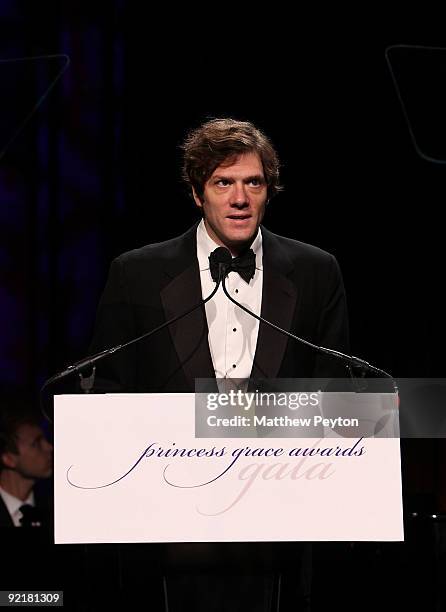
x: 232, y: 170
x: 26, y: 459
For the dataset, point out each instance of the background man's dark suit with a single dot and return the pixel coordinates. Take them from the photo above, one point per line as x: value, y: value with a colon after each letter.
x: 29, y: 556
x: 43, y: 503
x: 5, y: 517
x: 302, y: 292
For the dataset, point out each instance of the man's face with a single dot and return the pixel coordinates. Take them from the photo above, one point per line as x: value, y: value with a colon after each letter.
x: 34, y: 458
x: 234, y: 201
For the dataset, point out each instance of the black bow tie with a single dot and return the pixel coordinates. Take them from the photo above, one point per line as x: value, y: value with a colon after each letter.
x: 244, y: 264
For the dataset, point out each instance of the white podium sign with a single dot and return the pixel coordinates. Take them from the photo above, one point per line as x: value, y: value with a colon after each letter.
x: 128, y: 468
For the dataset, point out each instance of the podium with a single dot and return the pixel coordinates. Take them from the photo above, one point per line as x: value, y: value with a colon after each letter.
x: 130, y: 471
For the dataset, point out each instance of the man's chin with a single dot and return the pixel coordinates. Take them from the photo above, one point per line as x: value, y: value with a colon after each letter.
x: 241, y: 240
x: 237, y: 246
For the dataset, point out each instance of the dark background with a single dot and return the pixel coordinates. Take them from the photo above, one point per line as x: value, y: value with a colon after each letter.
x: 96, y: 169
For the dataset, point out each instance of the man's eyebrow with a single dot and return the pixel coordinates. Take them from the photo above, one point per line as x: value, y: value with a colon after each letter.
x: 227, y: 177
x: 258, y: 177
x: 222, y: 176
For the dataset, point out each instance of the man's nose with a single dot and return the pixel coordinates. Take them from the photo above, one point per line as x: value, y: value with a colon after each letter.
x: 239, y: 195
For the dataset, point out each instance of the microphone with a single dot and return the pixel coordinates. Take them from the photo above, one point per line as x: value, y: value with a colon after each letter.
x: 350, y: 359
x: 224, y: 259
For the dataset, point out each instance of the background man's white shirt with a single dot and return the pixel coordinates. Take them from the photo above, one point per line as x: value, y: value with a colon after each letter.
x: 13, y: 505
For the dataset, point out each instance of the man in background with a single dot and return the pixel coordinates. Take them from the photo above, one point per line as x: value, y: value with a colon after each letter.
x: 26, y: 459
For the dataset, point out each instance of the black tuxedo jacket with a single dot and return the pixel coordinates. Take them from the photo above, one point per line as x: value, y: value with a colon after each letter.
x: 43, y: 501
x: 302, y: 292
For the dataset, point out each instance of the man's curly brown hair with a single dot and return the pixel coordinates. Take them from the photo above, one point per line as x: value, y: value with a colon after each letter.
x: 223, y: 140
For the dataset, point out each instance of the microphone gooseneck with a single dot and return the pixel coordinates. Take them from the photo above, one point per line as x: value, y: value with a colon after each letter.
x: 223, y: 258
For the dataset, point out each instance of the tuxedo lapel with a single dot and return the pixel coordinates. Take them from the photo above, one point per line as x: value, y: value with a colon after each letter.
x: 279, y: 299
x: 189, y: 334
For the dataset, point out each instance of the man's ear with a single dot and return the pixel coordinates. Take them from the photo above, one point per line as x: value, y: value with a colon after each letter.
x: 198, y: 201
x: 9, y: 460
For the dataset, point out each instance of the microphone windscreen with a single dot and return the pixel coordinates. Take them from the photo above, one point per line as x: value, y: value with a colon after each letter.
x: 222, y: 255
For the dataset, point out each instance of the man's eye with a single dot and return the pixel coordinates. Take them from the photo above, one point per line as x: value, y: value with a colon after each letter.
x: 222, y: 182
x: 256, y: 182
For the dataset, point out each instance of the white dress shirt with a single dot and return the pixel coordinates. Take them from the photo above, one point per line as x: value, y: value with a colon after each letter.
x: 13, y: 504
x: 232, y: 332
